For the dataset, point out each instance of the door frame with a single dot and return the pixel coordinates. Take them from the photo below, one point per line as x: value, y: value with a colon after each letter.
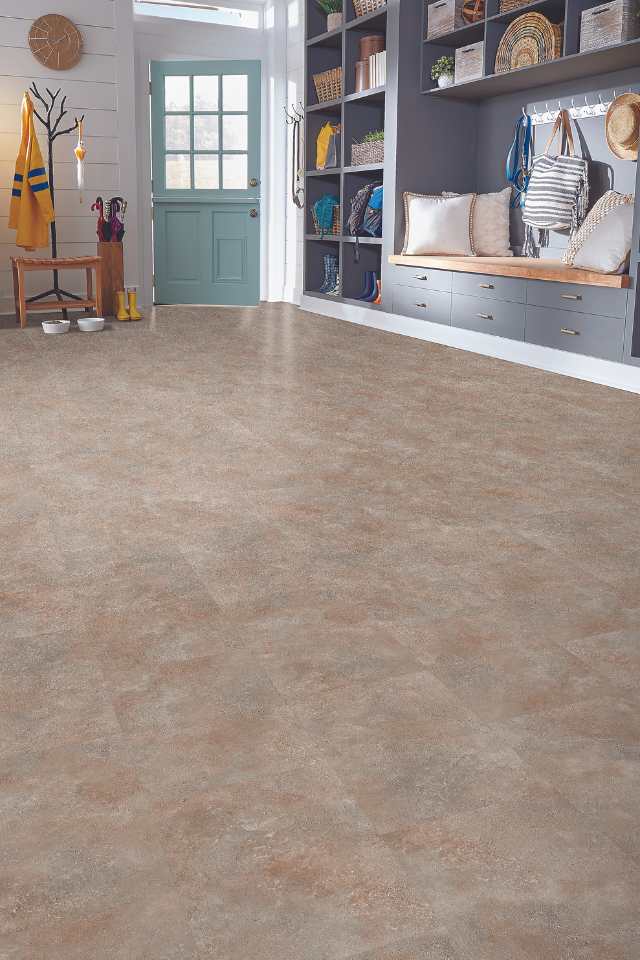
x: 188, y: 43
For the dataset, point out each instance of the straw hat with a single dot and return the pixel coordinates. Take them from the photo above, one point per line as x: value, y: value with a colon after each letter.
x: 622, y: 126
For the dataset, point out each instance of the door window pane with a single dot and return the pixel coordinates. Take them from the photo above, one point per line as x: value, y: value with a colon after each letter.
x: 205, y: 171
x: 177, y: 171
x: 205, y: 93
x: 234, y: 92
x: 234, y: 171
x: 176, y: 93
x: 205, y: 132
x: 177, y: 134
x: 234, y: 132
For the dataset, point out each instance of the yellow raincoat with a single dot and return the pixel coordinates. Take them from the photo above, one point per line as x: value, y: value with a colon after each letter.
x: 31, y: 209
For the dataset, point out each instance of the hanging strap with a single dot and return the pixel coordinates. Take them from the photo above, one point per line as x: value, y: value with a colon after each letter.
x: 562, y: 122
x: 519, y: 159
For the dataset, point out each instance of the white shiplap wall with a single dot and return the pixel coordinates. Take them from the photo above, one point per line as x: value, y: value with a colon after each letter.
x: 100, y: 87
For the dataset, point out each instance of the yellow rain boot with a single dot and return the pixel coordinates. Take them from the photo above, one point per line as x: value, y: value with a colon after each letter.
x: 134, y: 313
x: 121, y: 308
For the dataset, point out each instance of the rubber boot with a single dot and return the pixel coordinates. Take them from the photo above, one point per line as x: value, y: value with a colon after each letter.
x: 326, y: 283
x: 368, y: 285
x: 134, y: 313
x: 374, y: 289
x: 121, y: 307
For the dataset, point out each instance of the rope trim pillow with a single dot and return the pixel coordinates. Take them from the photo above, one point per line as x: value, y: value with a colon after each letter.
x: 607, y: 202
x: 436, y: 225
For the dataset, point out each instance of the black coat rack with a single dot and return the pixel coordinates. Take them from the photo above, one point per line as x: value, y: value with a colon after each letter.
x: 52, y: 127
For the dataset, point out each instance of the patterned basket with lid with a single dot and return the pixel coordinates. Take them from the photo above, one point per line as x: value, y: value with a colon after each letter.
x: 328, y: 84
x: 362, y: 7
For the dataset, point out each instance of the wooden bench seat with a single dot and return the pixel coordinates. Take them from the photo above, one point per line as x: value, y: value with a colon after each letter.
x: 525, y: 267
x: 22, y: 265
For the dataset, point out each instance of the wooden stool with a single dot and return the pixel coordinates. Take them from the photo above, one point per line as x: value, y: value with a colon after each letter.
x: 23, y: 265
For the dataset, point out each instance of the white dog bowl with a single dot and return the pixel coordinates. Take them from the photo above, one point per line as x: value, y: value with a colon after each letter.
x: 90, y: 324
x: 56, y: 326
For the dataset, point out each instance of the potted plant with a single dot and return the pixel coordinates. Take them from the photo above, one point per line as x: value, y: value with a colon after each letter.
x: 443, y: 71
x: 333, y: 10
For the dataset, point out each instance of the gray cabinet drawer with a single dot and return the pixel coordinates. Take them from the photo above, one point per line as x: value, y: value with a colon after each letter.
x: 433, y: 305
x: 498, y: 288
x: 502, y: 319
x: 577, y: 296
x: 417, y: 277
x: 577, y: 332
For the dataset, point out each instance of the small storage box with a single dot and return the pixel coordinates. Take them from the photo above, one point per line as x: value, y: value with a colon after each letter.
x: 469, y: 62
x: 443, y: 16
x: 609, y: 23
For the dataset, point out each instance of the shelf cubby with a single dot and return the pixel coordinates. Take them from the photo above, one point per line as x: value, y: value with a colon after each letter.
x: 358, y: 114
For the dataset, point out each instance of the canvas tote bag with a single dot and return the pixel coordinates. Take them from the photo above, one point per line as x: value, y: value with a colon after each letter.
x: 558, y: 190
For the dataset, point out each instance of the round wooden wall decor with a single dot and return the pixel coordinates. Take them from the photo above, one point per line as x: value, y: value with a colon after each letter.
x: 55, y: 41
x: 473, y: 11
x: 529, y: 40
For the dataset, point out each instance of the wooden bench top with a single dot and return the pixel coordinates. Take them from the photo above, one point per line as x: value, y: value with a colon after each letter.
x: 527, y: 268
x: 59, y: 263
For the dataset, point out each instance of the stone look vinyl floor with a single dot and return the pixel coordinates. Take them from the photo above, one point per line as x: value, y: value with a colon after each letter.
x: 317, y: 643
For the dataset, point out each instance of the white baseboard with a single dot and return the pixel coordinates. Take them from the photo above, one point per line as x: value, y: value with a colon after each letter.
x: 619, y: 375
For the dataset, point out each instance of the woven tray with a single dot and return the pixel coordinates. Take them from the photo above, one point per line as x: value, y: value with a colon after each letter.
x: 362, y: 7
x: 328, y: 84
x: 529, y: 40
x: 336, y: 226
x: 369, y: 152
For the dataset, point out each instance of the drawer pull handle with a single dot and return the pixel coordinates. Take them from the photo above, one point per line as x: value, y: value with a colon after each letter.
x: 423, y: 277
x: 486, y: 286
x: 485, y: 316
x: 570, y: 296
x: 569, y: 332
x: 421, y: 305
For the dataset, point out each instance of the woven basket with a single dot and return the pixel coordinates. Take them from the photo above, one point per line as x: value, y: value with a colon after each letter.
x: 473, y: 11
x: 370, y: 152
x: 506, y: 6
x: 336, y: 226
x: 530, y: 39
x: 362, y: 7
x: 328, y: 84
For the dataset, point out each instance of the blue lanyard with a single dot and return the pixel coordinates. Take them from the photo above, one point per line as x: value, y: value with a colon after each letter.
x: 518, y: 160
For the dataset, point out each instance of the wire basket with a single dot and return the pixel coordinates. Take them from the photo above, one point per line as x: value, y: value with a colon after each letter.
x: 328, y: 84
x: 371, y: 151
x: 362, y: 7
x: 336, y: 225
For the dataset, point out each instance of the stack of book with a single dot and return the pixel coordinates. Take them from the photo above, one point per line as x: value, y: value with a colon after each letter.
x: 378, y: 69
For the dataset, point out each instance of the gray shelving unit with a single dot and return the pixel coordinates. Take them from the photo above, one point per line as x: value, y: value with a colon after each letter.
x: 357, y: 113
x: 457, y: 139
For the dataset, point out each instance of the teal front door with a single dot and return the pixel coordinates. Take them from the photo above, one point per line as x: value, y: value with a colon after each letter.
x: 206, y: 181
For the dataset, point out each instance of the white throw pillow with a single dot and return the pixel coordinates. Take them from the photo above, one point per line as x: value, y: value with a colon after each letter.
x: 607, y: 247
x: 491, y: 237
x: 439, y: 225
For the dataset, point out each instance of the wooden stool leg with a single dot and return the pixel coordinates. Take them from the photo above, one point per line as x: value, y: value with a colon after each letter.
x: 22, y: 299
x: 16, y: 293
x: 89, y: 288
x: 99, y: 289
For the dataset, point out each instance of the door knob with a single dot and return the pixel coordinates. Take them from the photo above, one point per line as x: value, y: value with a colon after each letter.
x: 253, y: 212
x: 253, y: 182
